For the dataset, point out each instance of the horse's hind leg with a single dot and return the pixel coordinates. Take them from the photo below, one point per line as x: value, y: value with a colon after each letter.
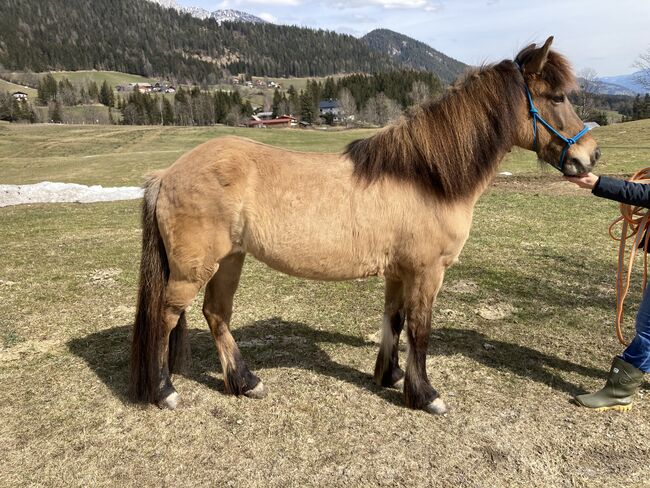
x: 387, y: 370
x: 178, y: 296
x: 192, y: 262
x: 217, y: 309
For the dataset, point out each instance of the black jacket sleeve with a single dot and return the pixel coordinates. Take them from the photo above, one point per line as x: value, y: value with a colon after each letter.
x: 637, y: 194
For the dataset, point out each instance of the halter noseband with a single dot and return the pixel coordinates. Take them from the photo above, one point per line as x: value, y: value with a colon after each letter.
x: 568, y: 142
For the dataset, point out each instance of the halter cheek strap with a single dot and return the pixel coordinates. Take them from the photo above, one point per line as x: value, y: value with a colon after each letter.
x: 534, y: 113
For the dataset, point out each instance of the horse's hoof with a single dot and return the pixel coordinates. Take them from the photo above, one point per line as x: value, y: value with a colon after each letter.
x: 170, y: 401
x: 258, y: 392
x: 399, y: 384
x: 436, y: 407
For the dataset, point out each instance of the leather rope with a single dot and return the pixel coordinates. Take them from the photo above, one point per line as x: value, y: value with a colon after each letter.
x: 635, y: 222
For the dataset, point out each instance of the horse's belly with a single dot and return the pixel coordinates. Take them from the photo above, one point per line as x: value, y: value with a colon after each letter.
x: 317, y: 267
x: 333, y: 261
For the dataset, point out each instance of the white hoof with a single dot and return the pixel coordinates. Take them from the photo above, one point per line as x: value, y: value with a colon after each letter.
x: 258, y: 392
x: 437, y: 407
x: 170, y: 401
x: 399, y: 384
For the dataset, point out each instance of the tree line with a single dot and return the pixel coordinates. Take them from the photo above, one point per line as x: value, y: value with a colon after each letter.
x: 187, y: 107
x: 68, y: 94
x: 140, y: 37
x: 640, y: 109
x: 371, y: 99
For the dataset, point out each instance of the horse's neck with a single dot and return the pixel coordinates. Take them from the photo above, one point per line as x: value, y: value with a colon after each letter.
x: 489, y: 153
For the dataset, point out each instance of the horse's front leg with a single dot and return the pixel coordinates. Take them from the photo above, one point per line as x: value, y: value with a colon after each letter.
x: 387, y: 370
x: 420, y: 294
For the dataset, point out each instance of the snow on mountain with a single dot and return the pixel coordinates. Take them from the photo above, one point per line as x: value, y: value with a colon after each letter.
x: 227, y: 15
x: 167, y: 3
x: 198, y: 12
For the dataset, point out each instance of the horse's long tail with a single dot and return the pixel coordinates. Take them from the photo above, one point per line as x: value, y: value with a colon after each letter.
x: 149, y: 328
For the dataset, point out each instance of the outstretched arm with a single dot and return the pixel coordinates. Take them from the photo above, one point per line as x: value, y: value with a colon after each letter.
x: 619, y: 190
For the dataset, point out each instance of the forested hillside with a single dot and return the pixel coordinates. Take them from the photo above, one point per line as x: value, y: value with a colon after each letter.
x: 413, y: 54
x: 135, y: 36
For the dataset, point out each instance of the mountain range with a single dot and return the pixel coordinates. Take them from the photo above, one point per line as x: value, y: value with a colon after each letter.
x: 159, y: 38
x: 403, y: 50
x: 220, y: 16
x: 626, y: 84
x: 413, y: 54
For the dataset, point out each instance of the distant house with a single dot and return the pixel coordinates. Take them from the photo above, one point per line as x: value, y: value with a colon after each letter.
x: 143, y: 87
x: 329, y: 107
x: 282, y: 121
x: 20, y: 96
x: 170, y: 89
x: 264, y: 115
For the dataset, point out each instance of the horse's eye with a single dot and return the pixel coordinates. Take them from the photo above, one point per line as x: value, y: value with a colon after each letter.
x: 558, y: 98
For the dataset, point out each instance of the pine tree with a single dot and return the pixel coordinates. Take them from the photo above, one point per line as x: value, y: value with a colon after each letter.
x: 106, y: 96
x: 93, y: 91
x: 277, y: 100
x: 54, y: 112
x: 47, y: 89
x: 294, y: 100
x: 167, y: 112
x: 307, y: 113
x: 329, y: 90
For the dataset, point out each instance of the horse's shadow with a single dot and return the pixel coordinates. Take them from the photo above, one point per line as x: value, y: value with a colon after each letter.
x: 274, y: 343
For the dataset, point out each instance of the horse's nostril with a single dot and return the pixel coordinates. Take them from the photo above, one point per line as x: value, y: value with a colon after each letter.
x: 595, y: 156
x: 575, y: 162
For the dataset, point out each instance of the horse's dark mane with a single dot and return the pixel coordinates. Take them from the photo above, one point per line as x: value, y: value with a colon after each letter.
x: 453, y: 144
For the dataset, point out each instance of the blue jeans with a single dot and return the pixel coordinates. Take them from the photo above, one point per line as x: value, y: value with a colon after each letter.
x: 638, y: 352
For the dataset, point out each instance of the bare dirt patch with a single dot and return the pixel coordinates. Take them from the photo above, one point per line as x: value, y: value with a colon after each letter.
x: 23, y: 350
x: 461, y: 286
x: 104, y: 277
x: 495, y: 310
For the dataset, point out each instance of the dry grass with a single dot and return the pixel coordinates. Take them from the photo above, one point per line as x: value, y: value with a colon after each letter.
x: 523, y: 322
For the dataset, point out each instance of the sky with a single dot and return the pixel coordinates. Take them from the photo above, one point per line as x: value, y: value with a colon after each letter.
x: 604, y: 35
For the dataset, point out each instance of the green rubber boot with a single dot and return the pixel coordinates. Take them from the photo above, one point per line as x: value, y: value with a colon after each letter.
x: 622, y: 383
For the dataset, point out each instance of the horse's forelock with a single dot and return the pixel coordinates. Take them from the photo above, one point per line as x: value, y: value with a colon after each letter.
x: 557, y: 71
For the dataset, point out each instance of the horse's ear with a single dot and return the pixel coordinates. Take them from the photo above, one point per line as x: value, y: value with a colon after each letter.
x: 537, y: 61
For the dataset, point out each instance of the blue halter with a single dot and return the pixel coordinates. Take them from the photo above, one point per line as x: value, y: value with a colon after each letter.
x: 568, y: 142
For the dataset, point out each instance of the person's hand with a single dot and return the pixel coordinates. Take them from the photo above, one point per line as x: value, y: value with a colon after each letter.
x: 587, y: 181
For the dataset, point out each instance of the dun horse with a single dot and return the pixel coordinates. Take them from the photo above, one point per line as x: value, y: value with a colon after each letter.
x: 398, y: 204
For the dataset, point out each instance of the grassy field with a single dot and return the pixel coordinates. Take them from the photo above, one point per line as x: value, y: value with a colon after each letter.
x: 7, y: 86
x: 80, y: 114
x: 113, y: 78
x: 121, y: 155
x: 522, y: 323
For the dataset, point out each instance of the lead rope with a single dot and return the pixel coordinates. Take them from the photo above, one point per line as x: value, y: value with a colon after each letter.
x: 634, y: 224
